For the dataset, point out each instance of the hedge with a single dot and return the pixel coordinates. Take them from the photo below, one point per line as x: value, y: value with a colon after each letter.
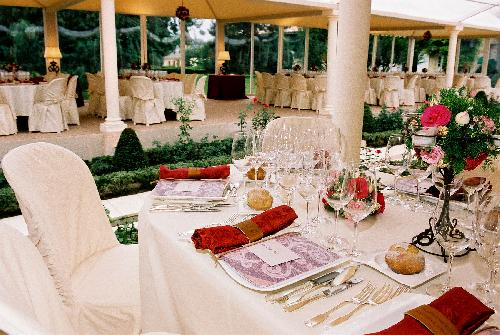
x: 379, y: 139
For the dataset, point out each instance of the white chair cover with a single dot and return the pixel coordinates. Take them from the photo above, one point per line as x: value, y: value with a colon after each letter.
x: 408, y: 96
x: 29, y: 302
x: 419, y: 91
x: 8, y: 125
x: 47, y: 115
x: 440, y: 83
x: 100, y: 91
x: 96, y: 277
x: 370, y: 94
x: 199, y: 89
x: 390, y: 93
x: 270, y: 91
x: 147, y: 108
x: 283, y: 93
x: 189, y: 82
x: 301, y: 97
x: 93, y: 97
x: 459, y: 80
x: 495, y: 92
x: 261, y: 91
x: 318, y: 93
x: 68, y: 105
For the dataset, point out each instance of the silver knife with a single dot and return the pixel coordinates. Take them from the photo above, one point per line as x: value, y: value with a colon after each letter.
x: 324, y: 294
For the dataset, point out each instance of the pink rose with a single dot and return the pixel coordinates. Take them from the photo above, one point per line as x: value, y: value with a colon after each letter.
x: 435, y: 116
x: 434, y: 156
x: 488, y: 124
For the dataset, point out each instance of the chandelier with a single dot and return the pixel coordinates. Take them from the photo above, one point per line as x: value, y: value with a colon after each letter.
x: 427, y: 35
x: 182, y: 12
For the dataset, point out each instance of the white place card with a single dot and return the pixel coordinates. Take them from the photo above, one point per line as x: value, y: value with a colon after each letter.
x: 188, y: 186
x: 273, y: 252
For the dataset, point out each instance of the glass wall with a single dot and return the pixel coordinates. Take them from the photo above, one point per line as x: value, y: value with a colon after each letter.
x: 163, y: 40
x: 266, y: 47
x: 238, y: 44
x: 318, y: 44
x: 293, y: 47
x: 128, y: 40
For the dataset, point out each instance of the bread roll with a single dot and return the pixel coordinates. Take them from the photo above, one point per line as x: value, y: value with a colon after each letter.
x: 405, y: 259
x: 261, y: 174
x: 259, y: 199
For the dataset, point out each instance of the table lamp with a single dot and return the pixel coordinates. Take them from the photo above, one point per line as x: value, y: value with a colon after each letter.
x: 52, y: 55
x: 223, y: 56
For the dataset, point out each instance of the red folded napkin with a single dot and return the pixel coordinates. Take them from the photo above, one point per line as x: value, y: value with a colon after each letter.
x: 463, y: 310
x: 224, y: 238
x: 212, y: 172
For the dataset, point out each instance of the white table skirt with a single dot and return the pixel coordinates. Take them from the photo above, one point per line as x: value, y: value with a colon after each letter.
x: 185, y: 291
x: 170, y: 90
x: 378, y: 85
x: 20, y: 98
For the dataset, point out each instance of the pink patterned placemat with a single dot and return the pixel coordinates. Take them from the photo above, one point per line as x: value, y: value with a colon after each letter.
x: 209, y: 189
x: 250, y: 267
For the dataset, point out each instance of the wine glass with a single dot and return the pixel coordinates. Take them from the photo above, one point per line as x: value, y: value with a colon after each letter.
x: 395, y: 153
x: 337, y: 195
x: 418, y: 173
x: 287, y: 179
x: 454, y: 236
x: 239, y: 156
x: 307, y: 191
x: 254, y: 151
x: 471, y: 186
x: 362, y: 187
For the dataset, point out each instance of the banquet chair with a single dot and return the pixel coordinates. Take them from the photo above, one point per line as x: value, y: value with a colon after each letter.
x: 47, y: 115
x: 408, y: 96
x: 301, y: 97
x: 495, y: 92
x: 419, y: 90
x: 8, y: 125
x: 147, y: 108
x: 189, y: 81
x: 390, y: 93
x: 482, y: 83
x: 370, y: 94
x: 439, y: 84
x: 459, y: 80
x: 199, y: 88
x: 68, y: 104
x: 96, y: 277
x: 125, y: 99
x: 261, y: 92
x: 269, y: 90
x: 198, y: 100
x: 100, y: 90
x: 93, y: 97
x: 282, y: 95
x: 318, y: 93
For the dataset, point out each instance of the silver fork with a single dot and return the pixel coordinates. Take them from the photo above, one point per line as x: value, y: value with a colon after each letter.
x: 357, y: 299
x: 386, y: 293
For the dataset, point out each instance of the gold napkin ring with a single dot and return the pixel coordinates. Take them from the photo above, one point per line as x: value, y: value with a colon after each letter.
x: 194, y: 173
x: 433, y: 320
x: 251, y: 230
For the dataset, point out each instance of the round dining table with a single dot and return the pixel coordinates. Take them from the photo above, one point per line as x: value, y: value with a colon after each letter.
x: 186, y: 291
x: 20, y: 97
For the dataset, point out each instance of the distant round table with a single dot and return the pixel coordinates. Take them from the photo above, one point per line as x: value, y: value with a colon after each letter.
x: 226, y: 87
x: 20, y: 97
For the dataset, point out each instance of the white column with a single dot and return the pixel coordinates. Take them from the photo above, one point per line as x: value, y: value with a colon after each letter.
x: 101, y: 57
x: 411, y: 52
x: 374, y: 51
x: 219, y: 43
x: 252, y: 53
x: 182, y: 29
x: 144, y: 39
x: 486, y: 56
x: 279, y: 63
x: 113, y: 123
x: 51, y: 38
x: 452, y: 49
x: 457, y: 57
x: 333, y: 26
x: 306, y: 50
x: 350, y: 74
x: 393, y: 46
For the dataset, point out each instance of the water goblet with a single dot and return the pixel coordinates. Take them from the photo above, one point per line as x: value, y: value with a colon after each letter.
x: 394, y: 157
x: 307, y: 191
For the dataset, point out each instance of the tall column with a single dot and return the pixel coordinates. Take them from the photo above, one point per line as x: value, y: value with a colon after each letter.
x: 113, y: 124
x: 51, y: 38
x: 182, y: 29
x: 393, y: 46
x: 410, y: 54
x: 333, y: 26
x: 306, y: 50
x: 219, y: 43
x: 252, y: 53
x: 374, y: 51
x: 486, y: 56
x: 352, y: 55
x: 144, y: 39
x: 101, y: 57
x: 279, y: 64
x: 457, y: 57
x: 452, y: 50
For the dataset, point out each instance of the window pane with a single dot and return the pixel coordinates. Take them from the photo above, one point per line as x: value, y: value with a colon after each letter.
x: 293, y: 47
x: 266, y: 47
x: 163, y: 42
x: 128, y: 40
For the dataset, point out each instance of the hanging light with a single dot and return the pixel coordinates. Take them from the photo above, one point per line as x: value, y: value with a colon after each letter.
x: 427, y: 35
x: 182, y: 12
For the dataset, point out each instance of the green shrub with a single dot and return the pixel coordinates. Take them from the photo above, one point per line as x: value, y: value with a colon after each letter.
x: 388, y: 120
x: 3, y: 181
x: 368, y: 120
x: 8, y: 202
x: 378, y: 139
x: 101, y: 165
x: 129, y: 154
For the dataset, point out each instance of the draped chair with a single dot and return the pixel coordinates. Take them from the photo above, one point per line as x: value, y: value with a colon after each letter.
x: 482, y: 83
x: 125, y: 99
x: 370, y: 94
x: 93, y: 97
x: 96, y: 277
x: 439, y: 84
x: 459, y: 80
x: 68, y: 105
x: 8, y: 125
x: 495, y: 92
x: 47, y: 115
x: 198, y: 98
x: 390, y: 92
x: 269, y: 88
x: 318, y: 93
x: 408, y: 96
x: 189, y: 83
x: 301, y: 97
x: 147, y: 108
x: 261, y: 92
x: 199, y: 88
x: 419, y: 91
x: 100, y: 94
x: 283, y: 93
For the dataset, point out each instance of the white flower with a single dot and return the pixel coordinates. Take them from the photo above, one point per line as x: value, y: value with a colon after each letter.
x: 462, y: 118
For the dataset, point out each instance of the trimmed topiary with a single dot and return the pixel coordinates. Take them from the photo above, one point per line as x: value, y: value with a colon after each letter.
x: 129, y: 154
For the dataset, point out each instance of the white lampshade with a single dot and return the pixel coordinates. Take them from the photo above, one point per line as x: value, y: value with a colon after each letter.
x: 224, y: 55
x: 52, y: 52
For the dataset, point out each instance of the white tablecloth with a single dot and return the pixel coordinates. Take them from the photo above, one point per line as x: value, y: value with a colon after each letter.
x: 170, y: 90
x: 378, y: 85
x: 20, y: 97
x: 185, y: 291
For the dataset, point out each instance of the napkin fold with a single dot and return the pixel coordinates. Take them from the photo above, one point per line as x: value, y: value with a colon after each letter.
x: 463, y: 309
x: 224, y: 238
x: 211, y: 172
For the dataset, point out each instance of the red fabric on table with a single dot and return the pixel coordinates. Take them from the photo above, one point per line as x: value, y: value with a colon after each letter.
x: 224, y: 238
x: 212, y: 172
x: 463, y: 309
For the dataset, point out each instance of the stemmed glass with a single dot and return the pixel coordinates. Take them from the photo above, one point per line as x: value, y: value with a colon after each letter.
x: 394, y: 159
x: 239, y: 157
x: 471, y: 186
x: 363, y: 190
x: 254, y: 151
x: 307, y: 191
x: 337, y: 195
x: 418, y: 174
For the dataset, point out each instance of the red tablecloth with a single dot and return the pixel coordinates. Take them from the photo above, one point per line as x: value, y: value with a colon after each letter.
x: 226, y: 87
